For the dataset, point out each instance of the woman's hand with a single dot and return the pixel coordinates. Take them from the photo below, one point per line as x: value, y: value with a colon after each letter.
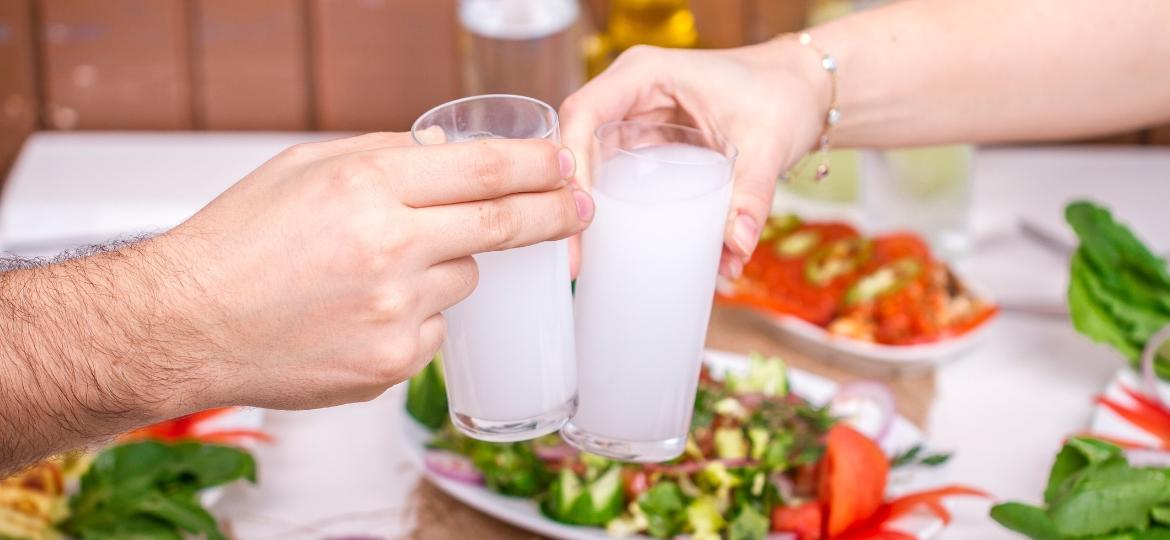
x: 769, y: 100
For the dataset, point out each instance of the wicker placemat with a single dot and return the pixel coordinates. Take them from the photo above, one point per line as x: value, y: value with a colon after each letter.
x: 441, y: 517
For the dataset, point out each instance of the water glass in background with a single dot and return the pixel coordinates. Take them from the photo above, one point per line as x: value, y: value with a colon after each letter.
x: 925, y: 190
x: 644, y: 292
x: 836, y: 197
x: 509, y: 353
x: 527, y: 47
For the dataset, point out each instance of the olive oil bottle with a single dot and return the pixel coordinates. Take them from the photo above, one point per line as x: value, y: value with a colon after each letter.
x: 665, y: 23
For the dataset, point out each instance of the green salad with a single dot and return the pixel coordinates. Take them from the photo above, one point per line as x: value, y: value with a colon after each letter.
x: 753, y: 447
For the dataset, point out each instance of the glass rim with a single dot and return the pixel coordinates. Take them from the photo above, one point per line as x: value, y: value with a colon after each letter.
x: 730, y: 152
x: 556, y: 119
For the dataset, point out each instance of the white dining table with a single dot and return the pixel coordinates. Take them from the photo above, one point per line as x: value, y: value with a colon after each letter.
x: 1004, y: 408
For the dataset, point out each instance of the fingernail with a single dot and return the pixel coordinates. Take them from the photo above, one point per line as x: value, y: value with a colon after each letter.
x: 432, y: 135
x: 744, y: 234
x: 567, y: 161
x: 584, y: 205
x: 736, y: 268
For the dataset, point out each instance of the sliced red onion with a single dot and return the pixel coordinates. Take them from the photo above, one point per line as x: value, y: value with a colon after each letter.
x: 868, y: 406
x: 1148, y: 457
x: 1149, y: 355
x: 784, y: 485
x: 557, y: 452
x: 452, y: 467
x: 692, y: 467
x: 751, y: 400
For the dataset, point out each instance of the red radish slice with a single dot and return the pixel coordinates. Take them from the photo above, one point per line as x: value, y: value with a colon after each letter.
x: 867, y: 406
x: 452, y: 467
x: 557, y: 452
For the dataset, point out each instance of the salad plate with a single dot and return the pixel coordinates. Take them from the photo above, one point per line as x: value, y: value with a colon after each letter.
x: 526, y: 514
x: 820, y: 342
x: 869, y: 300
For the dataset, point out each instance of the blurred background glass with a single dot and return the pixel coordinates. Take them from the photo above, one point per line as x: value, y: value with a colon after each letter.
x: 926, y: 190
x: 525, y: 47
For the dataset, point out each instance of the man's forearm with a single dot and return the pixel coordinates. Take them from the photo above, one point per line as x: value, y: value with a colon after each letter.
x: 91, y: 347
x: 934, y: 71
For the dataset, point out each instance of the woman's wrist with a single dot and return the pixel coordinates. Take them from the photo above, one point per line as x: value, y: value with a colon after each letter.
x: 795, y: 76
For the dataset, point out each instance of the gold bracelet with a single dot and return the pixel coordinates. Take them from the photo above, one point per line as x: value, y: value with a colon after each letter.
x: 833, y: 115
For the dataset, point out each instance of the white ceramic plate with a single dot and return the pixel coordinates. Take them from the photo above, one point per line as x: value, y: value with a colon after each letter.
x: 525, y: 514
x: 852, y: 350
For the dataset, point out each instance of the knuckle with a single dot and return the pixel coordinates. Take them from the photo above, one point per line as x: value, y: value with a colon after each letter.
x: 499, y: 222
x: 465, y: 278
x: 550, y: 170
x: 299, y: 151
x: 567, y: 213
x: 490, y: 167
x: 571, y: 104
x: 395, y: 302
x: 638, y: 52
x: 342, y: 179
x: 400, y: 360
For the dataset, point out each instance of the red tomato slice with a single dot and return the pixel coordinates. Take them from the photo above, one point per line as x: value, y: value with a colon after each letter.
x: 853, y: 479
x: 890, y: 247
x: 804, y: 521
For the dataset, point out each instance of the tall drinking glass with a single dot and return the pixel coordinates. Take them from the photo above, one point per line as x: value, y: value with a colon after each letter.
x: 649, y: 263
x: 508, y: 357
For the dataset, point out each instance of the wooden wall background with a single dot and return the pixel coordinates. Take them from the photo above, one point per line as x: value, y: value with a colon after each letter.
x: 268, y: 64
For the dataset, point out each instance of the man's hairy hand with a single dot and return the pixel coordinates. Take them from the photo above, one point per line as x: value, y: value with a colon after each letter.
x: 316, y: 280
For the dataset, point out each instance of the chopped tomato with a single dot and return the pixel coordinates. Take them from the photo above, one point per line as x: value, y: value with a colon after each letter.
x: 634, y: 482
x: 818, y: 271
x: 804, y: 520
x: 776, y: 279
x: 890, y: 247
x: 853, y: 479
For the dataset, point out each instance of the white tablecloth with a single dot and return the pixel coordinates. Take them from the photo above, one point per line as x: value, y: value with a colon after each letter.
x: 1005, y: 408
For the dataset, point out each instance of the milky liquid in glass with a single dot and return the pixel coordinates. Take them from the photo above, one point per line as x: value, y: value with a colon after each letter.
x: 509, y: 354
x: 509, y: 348
x: 644, y: 296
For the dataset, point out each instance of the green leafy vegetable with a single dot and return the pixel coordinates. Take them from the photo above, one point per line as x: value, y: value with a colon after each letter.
x: 1028, y: 520
x: 426, y: 396
x: 571, y: 500
x: 749, y: 524
x: 664, y: 506
x: 914, y: 456
x: 511, y: 469
x: 1119, y: 291
x: 151, y: 489
x: 1093, y: 492
x: 704, y: 518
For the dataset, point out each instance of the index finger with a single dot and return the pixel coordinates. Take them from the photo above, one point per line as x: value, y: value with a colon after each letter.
x: 611, y: 96
x: 479, y: 170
